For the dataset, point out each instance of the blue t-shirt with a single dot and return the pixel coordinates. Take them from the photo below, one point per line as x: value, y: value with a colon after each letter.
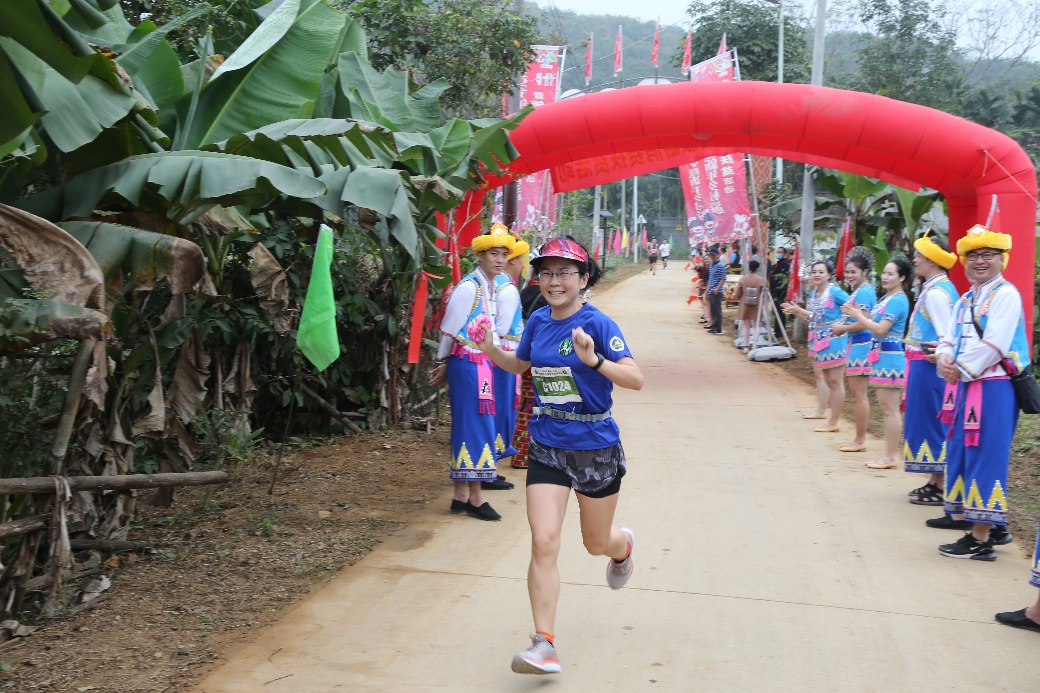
x: 896, y: 309
x: 563, y: 382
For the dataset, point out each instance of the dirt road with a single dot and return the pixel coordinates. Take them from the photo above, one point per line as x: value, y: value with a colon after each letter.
x: 765, y: 561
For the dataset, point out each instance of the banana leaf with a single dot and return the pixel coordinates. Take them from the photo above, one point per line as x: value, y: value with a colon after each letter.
x: 383, y: 98
x: 28, y: 322
x: 343, y: 142
x: 181, y: 185
x: 144, y: 256
x: 53, y: 263
x: 77, y: 112
x: 33, y: 25
x: 262, y: 87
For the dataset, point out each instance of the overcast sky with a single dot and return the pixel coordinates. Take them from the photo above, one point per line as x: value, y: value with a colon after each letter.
x: 841, y: 13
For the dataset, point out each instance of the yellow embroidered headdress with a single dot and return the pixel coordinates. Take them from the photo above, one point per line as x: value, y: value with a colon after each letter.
x: 978, y: 237
x: 497, y: 237
x: 520, y: 248
x: 931, y: 250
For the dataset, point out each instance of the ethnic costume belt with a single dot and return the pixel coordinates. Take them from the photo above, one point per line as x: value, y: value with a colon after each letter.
x: 569, y: 415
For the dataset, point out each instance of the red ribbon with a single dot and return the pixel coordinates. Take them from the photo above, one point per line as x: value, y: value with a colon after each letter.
x: 422, y: 292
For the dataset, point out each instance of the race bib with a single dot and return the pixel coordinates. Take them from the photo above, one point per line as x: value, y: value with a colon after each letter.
x: 555, y: 385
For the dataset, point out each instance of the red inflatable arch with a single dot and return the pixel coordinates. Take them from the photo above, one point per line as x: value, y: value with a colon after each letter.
x: 902, y: 143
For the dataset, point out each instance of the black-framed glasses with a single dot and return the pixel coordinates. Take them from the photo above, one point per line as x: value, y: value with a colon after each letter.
x: 985, y: 256
x: 563, y: 275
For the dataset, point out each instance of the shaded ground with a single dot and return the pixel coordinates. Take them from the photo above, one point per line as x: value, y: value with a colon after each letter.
x: 227, y: 560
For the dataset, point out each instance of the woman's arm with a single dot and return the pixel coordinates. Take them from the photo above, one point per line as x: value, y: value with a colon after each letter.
x: 878, y: 329
x: 624, y: 372
x: 791, y: 308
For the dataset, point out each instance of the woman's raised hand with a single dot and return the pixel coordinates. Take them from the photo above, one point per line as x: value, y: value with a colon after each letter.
x: 854, y: 312
x: 584, y: 346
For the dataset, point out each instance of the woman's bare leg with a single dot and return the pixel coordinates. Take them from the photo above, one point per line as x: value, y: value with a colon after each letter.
x: 546, y: 507
x: 598, y: 533
x: 889, y: 398
x: 835, y: 379
x: 858, y: 388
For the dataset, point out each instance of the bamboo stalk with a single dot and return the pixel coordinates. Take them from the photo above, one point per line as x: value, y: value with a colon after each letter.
x: 121, y: 482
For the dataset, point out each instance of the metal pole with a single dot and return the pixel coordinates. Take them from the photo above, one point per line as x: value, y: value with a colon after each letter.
x: 633, y: 237
x: 780, y: 80
x: 808, y: 190
x: 596, y: 238
x: 621, y: 217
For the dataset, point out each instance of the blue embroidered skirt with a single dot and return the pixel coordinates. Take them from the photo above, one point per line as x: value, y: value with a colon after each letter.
x: 924, y: 449
x: 473, y: 434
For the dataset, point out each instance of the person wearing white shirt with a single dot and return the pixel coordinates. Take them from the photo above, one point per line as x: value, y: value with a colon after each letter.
x: 984, y: 345
x: 665, y: 249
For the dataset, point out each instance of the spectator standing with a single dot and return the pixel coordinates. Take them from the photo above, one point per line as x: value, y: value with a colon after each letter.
x: 779, y: 275
x: 986, y: 344
x: 925, y: 448
x: 749, y: 295
x: 471, y: 312
x: 716, y: 283
x: 887, y: 322
x: 858, y: 367
x: 822, y: 313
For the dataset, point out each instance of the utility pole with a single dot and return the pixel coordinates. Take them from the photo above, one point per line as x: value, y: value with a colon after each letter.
x: 511, y: 190
x: 808, y: 189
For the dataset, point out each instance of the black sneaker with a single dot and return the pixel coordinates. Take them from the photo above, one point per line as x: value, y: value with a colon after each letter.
x: 999, y: 536
x: 947, y: 522
x: 969, y: 547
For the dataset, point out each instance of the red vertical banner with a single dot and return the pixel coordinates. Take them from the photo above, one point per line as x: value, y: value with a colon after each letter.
x: 845, y: 245
x: 656, y: 50
x: 618, y: 64
x: 536, y: 203
x: 715, y: 188
x: 687, y: 52
x: 588, y: 62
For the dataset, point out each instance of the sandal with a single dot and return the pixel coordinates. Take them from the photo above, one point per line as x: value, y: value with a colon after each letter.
x: 814, y: 416
x: 853, y: 447
x: 929, y: 494
x: 828, y: 429
x: 882, y: 463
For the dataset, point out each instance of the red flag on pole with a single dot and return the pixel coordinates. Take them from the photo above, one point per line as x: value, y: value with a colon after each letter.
x: 722, y: 45
x: 993, y: 220
x: 655, y: 51
x: 687, y: 49
x: 794, y: 283
x: 588, y: 62
x: 617, y: 52
x: 845, y: 245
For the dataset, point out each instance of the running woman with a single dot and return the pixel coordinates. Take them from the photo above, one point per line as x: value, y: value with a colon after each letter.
x: 576, y: 355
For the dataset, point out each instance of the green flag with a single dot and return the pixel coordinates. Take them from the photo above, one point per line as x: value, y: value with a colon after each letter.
x: 670, y: 240
x: 316, y: 335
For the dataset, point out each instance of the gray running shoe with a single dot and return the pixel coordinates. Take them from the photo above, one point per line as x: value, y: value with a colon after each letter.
x: 539, y: 658
x: 618, y: 574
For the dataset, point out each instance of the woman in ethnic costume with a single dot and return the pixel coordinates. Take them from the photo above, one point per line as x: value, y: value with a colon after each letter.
x: 857, y: 370
x: 924, y: 451
x: 828, y: 349
x: 887, y: 323
x: 510, y: 327
x: 471, y: 312
x: 576, y: 355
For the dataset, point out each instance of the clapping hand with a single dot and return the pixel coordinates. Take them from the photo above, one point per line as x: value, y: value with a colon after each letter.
x: 854, y: 312
x: 584, y: 346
